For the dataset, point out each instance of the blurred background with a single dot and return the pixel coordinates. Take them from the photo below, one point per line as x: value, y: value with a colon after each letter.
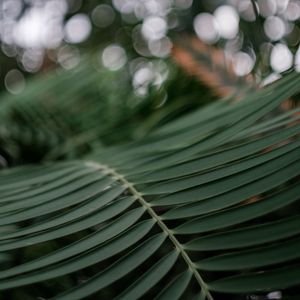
x: 251, y: 40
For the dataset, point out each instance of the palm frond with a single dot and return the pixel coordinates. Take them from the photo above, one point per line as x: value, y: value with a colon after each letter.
x: 204, y: 206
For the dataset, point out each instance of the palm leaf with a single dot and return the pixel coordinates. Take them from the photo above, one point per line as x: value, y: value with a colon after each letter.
x: 205, y: 205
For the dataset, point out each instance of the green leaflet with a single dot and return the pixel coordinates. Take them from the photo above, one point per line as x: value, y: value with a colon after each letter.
x: 60, y: 231
x: 261, y: 281
x: 248, y: 236
x: 176, y: 288
x: 222, y: 172
x: 235, y: 196
x: 87, y: 243
x: 257, y: 257
x: 225, y: 184
x: 218, y: 158
x: 60, y: 192
x: 239, y: 214
x: 52, y: 186
x: 150, y: 278
x: 85, y: 259
x: 76, y: 213
x: 117, y: 270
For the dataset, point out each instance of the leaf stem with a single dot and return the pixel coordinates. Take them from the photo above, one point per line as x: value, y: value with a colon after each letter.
x: 161, y: 224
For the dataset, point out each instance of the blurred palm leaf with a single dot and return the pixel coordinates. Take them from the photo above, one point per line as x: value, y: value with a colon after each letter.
x: 61, y: 115
x: 206, y: 206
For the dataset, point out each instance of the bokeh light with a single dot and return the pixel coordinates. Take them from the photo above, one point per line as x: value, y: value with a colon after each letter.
x: 38, y: 34
x: 32, y: 59
x: 68, y: 57
x: 227, y: 19
x: 275, y: 28
x: 281, y: 58
x: 14, y: 81
x: 154, y: 28
x: 78, y: 28
x: 148, y: 74
x: 114, y: 57
x: 246, y: 10
x: 103, y: 15
x: 40, y: 26
x: 161, y: 47
x: 243, y: 63
x: 206, y: 28
x: 292, y: 12
x: 267, y: 8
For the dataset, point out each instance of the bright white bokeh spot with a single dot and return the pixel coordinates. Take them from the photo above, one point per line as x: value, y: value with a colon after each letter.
x: 292, y: 12
x: 143, y: 9
x: 114, y: 57
x: 32, y: 59
x: 7, y: 31
x: 14, y: 81
x: 267, y: 7
x: 147, y: 74
x: 297, y: 60
x: 281, y: 5
x: 142, y: 80
x: 143, y: 76
x: 159, y: 8
x: 57, y: 8
x: 246, y: 10
x: 11, y: 8
x: 103, y: 15
x: 139, y: 43
x: 227, y: 19
x: 276, y: 295
x: 40, y: 26
x: 243, y: 63
x: 54, y: 36
x: 154, y: 28
x: 160, y: 48
x: 78, y: 28
x: 274, y: 28
x: 281, y: 58
x: 29, y: 31
x: 152, y: 7
x: 206, y: 29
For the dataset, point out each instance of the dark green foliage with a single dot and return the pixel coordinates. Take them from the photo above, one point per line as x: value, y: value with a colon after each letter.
x: 71, y: 113
x: 203, y: 206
